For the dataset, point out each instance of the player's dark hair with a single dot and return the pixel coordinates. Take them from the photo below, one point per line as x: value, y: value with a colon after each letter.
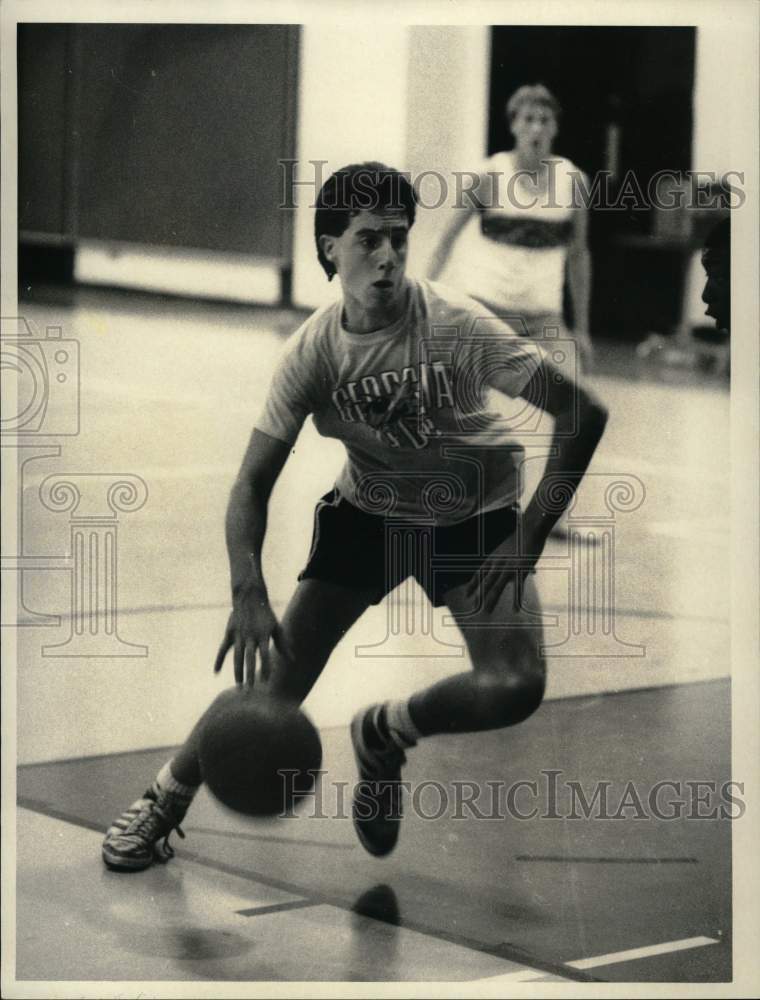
x: 532, y: 93
x: 359, y: 187
x: 719, y: 237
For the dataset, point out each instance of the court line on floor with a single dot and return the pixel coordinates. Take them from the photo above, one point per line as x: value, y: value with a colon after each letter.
x: 145, y: 609
x: 37, y: 805
x: 509, y: 953
x: 45, y: 809
x: 230, y: 469
x: 612, y: 958
x: 297, y: 842
x: 589, y: 696
x: 293, y: 904
x: 648, y: 951
x: 523, y: 976
x: 667, y: 470
x: 165, y: 748
x: 539, y: 858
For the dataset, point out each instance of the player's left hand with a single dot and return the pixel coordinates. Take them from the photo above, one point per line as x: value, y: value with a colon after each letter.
x: 251, y: 628
x: 502, y: 569
x: 496, y: 574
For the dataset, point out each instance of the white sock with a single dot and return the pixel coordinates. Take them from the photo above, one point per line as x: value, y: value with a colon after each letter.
x: 402, y: 729
x: 166, y: 782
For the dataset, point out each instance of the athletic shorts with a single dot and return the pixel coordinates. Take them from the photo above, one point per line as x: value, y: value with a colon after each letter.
x: 375, y: 554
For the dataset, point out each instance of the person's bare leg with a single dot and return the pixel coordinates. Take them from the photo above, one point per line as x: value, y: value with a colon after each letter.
x: 317, y: 617
x: 507, y: 680
x: 505, y: 686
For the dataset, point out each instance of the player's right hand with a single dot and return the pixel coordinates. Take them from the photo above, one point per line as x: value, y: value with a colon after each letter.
x: 250, y: 630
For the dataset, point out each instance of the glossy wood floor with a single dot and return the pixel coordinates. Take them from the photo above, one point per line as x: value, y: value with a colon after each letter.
x: 169, y: 392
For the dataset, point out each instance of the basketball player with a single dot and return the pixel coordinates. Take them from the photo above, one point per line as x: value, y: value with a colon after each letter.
x: 399, y: 371
x: 533, y: 227
x: 716, y: 260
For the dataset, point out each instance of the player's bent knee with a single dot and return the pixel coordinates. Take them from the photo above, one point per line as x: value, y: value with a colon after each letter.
x: 511, y: 697
x: 528, y: 696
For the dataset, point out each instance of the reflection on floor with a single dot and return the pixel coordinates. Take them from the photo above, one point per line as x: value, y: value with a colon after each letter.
x: 167, y: 394
x: 550, y: 845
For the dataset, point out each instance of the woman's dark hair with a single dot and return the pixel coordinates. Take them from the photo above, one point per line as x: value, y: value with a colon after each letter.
x: 359, y: 187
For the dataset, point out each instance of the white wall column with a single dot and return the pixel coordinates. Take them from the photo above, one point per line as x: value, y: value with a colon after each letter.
x: 351, y: 108
x: 446, y: 118
x: 412, y: 96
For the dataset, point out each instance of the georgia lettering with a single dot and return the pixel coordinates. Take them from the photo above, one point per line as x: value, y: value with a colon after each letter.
x: 396, y: 404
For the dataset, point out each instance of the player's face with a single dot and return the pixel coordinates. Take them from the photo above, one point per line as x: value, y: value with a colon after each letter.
x: 534, y: 128
x: 717, y: 291
x: 370, y: 257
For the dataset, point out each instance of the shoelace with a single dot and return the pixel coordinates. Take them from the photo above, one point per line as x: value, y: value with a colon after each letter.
x: 147, y: 825
x: 166, y: 850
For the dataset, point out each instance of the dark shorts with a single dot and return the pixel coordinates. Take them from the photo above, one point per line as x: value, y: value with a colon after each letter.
x: 373, y: 553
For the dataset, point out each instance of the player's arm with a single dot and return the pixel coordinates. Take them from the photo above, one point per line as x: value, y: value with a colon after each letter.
x: 579, y: 422
x: 252, y: 623
x: 579, y: 282
x: 290, y: 399
x: 473, y: 201
x: 246, y: 520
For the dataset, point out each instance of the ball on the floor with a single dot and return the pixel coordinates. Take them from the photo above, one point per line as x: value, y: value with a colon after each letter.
x: 258, y: 754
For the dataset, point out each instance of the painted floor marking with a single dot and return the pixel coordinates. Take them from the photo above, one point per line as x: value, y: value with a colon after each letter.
x: 23, y: 562
x: 264, y: 908
x: 649, y: 951
x: 521, y: 976
x: 569, y: 859
x: 272, y: 838
x: 409, y: 931
x: 613, y: 958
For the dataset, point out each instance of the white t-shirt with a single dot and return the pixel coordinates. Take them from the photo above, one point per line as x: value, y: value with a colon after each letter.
x: 518, y: 263
x: 411, y: 404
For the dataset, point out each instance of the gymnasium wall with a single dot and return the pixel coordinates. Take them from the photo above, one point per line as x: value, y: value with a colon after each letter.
x: 156, y: 147
x: 155, y: 135
x: 414, y: 97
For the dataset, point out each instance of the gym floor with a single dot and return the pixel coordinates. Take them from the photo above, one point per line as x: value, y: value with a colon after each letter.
x: 168, y: 393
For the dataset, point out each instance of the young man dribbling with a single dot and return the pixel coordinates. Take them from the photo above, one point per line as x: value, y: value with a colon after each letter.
x: 399, y: 371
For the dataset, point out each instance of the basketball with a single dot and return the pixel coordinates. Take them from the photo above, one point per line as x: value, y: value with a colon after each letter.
x: 258, y: 755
